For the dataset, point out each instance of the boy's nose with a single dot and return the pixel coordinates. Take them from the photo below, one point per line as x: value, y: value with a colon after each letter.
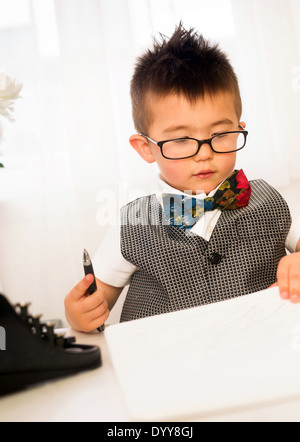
x: 205, y: 152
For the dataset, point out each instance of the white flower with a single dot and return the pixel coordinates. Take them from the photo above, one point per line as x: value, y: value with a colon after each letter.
x: 9, y: 91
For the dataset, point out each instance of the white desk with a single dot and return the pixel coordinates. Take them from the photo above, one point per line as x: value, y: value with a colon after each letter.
x: 95, y: 396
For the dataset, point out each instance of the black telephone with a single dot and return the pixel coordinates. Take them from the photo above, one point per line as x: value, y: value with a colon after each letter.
x: 32, y: 352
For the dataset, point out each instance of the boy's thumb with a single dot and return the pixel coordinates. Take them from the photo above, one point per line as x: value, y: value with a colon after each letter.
x: 80, y: 288
x: 89, y: 278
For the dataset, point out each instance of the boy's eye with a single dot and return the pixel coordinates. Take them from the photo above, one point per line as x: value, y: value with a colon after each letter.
x: 181, y: 141
x: 221, y: 135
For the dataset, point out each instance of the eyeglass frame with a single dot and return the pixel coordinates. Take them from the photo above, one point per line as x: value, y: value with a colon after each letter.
x: 200, y: 143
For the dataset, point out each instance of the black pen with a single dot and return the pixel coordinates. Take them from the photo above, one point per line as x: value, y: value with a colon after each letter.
x: 88, y: 268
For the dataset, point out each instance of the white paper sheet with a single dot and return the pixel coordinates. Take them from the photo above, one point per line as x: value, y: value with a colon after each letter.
x: 203, y: 360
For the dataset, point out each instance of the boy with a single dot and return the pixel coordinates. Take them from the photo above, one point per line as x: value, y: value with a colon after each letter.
x: 176, y: 251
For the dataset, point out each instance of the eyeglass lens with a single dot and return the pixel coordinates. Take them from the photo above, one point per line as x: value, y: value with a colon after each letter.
x: 187, y: 147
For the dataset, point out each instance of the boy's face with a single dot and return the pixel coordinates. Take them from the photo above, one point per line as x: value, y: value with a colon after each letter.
x: 174, y: 116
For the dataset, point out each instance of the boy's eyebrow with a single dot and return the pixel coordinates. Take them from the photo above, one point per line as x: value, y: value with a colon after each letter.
x: 184, y: 127
x: 225, y: 121
x: 175, y: 128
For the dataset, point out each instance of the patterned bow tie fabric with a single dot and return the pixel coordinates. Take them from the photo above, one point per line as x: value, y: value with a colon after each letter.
x: 184, y: 211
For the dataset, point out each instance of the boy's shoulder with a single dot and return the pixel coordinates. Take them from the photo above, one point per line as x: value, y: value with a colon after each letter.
x: 141, y: 201
x: 140, y: 209
x: 265, y: 195
x: 260, y: 185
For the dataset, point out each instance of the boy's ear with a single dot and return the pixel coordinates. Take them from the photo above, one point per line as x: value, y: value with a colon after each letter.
x: 141, y: 145
x: 243, y: 124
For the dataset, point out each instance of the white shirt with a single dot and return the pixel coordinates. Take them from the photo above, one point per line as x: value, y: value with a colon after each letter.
x: 113, y: 269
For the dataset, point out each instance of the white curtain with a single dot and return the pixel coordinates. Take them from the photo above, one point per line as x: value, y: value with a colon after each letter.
x: 68, y: 162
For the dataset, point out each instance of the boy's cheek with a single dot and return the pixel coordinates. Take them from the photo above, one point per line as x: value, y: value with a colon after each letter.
x: 171, y: 173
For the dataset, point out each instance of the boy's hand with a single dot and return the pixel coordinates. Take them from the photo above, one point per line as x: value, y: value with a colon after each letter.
x: 85, y: 312
x: 288, y: 277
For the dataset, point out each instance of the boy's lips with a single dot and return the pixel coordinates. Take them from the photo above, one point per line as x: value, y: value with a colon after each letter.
x: 204, y: 174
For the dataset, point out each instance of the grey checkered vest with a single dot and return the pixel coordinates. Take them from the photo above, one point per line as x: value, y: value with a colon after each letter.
x: 179, y: 270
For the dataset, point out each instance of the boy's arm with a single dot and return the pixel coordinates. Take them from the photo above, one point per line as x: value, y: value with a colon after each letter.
x: 86, y: 312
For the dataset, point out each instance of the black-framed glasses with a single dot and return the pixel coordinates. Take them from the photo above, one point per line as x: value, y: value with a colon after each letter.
x: 181, y: 148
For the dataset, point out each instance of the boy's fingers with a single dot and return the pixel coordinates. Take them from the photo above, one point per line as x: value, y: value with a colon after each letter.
x: 283, y: 278
x: 94, y: 319
x: 289, y: 280
x: 98, y: 313
x: 93, y: 301
x: 100, y: 320
x: 80, y: 289
x: 294, y: 284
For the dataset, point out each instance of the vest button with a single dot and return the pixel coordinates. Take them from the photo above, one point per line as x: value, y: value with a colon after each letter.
x: 215, y: 258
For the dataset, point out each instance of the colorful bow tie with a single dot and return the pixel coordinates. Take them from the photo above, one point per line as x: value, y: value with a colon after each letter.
x: 184, y: 211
